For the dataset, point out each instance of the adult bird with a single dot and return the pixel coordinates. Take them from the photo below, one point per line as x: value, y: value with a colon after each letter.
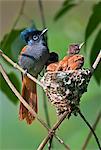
x: 32, y: 58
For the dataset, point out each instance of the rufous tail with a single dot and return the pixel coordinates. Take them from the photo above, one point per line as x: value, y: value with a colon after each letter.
x: 29, y: 93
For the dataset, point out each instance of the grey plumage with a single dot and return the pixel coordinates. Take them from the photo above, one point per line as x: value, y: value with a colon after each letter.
x: 34, y: 58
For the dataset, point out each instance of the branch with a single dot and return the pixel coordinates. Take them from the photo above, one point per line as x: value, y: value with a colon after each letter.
x: 55, y: 126
x: 15, y: 65
x: 87, y: 123
x: 15, y: 22
x: 18, y: 94
x: 90, y: 133
x: 42, y: 13
x: 46, y: 110
x: 21, y: 98
x: 97, y: 60
x: 44, y: 96
x: 20, y: 13
x: 27, y: 18
x: 42, y: 17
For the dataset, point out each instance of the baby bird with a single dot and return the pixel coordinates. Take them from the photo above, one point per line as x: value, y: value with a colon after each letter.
x: 72, y: 62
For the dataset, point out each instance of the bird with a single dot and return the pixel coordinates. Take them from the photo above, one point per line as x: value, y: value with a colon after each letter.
x: 52, y: 62
x: 72, y: 61
x: 54, y: 57
x: 32, y: 59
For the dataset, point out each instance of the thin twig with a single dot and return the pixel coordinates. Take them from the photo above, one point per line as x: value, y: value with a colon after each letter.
x: 15, y: 65
x: 90, y: 133
x: 55, y: 126
x: 46, y: 109
x: 47, y: 118
x: 42, y: 17
x: 44, y: 96
x: 97, y: 60
x: 20, y: 97
x: 42, y: 13
x: 41, y: 146
x: 15, y: 22
x: 50, y: 144
x: 87, y: 123
x: 27, y: 18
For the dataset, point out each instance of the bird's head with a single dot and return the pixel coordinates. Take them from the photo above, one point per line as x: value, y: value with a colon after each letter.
x: 75, y: 48
x: 33, y: 36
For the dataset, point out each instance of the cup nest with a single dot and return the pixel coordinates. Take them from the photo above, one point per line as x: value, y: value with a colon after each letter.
x: 64, y: 89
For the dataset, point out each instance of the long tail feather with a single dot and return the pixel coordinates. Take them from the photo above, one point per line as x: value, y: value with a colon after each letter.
x: 29, y: 93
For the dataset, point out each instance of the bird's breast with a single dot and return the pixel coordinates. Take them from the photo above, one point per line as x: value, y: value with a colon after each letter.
x: 34, y: 58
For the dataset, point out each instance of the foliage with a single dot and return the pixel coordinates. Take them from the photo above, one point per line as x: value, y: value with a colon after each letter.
x: 5, y: 88
x: 11, y: 44
x: 66, y: 6
x: 94, y: 20
x: 93, y: 23
x: 94, y: 52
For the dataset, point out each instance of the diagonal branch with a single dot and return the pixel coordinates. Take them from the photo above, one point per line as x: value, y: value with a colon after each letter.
x: 15, y: 65
x: 90, y: 127
x: 52, y: 131
x: 44, y: 96
x: 90, y: 133
x: 42, y: 17
x: 97, y: 60
x: 42, y: 13
x: 20, y: 97
x: 15, y: 22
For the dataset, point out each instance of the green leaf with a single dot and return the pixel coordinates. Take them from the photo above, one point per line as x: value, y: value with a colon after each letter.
x: 67, y: 5
x: 66, y: 2
x: 94, y: 20
x: 5, y: 88
x: 94, y: 52
x: 11, y: 44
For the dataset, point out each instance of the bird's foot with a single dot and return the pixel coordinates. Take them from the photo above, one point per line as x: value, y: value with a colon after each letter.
x: 25, y: 72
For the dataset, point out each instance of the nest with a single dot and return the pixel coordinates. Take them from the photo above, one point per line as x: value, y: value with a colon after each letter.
x: 64, y: 89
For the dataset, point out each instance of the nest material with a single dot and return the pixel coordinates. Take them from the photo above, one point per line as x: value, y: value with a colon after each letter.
x: 64, y: 89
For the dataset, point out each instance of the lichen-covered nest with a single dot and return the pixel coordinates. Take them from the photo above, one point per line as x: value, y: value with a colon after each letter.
x: 64, y: 89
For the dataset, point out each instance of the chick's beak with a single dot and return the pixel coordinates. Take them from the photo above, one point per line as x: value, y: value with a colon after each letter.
x: 80, y: 46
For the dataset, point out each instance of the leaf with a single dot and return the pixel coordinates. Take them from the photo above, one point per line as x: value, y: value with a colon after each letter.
x: 6, y: 90
x: 16, y: 47
x: 94, y: 20
x: 66, y: 2
x: 67, y: 5
x: 11, y: 44
x: 94, y: 52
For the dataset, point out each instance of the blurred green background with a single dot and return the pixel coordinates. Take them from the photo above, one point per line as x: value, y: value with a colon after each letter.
x: 69, y: 28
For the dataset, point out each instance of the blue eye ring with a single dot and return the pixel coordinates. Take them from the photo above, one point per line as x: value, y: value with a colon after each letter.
x: 35, y: 37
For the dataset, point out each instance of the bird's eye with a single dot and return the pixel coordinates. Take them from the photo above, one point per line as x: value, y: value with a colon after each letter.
x: 35, y: 37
